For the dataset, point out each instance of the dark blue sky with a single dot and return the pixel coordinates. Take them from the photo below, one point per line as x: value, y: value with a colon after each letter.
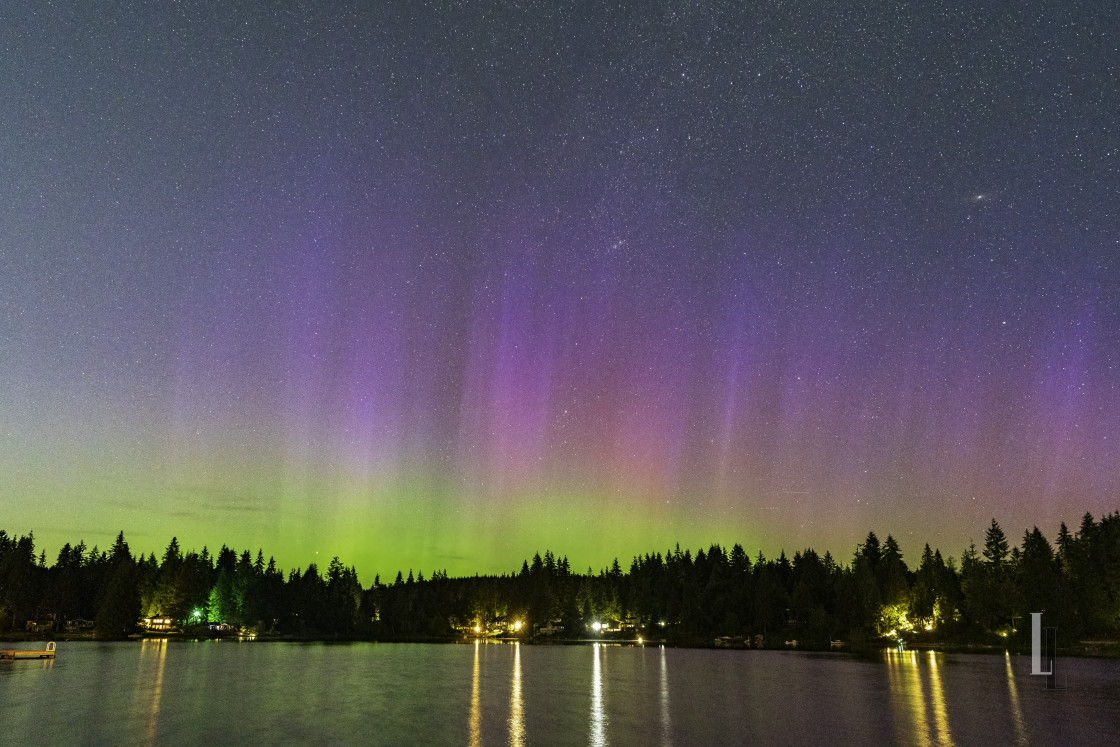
x: 440, y: 284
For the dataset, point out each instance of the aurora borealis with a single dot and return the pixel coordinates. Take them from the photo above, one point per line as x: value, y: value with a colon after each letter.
x: 439, y: 285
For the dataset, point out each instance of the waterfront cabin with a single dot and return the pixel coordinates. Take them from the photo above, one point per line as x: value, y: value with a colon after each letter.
x: 158, y: 623
x: 79, y: 625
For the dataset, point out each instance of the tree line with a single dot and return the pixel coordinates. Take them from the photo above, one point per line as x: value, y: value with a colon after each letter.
x: 678, y: 595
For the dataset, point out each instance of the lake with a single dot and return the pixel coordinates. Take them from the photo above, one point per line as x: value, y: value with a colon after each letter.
x: 230, y: 692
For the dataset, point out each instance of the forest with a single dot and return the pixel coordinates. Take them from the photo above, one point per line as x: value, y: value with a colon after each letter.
x: 683, y: 597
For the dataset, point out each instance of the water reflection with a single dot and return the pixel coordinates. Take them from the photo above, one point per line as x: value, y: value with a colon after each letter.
x: 1016, y: 710
x: 476, y: 706
x: 940, y: 714
x: 910, y: 702
x: 907, y: 696
x: 159, y: 649
x: 414, y: 695
x: 908, y: 666
x: 666, y: 732
x: 516, y: 714
x: 598, y: 720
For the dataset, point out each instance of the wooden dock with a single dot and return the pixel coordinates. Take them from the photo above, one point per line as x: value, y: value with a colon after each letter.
x: 17, y: 653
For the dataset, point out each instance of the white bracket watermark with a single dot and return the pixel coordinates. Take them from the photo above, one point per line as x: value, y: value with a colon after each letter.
x: 1036, y: 646
x: 1044, y: 645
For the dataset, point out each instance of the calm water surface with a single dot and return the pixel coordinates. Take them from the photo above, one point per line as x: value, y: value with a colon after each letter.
x: 365, y: 693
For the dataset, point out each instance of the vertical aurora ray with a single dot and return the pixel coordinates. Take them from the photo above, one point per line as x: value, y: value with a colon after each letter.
x: 337, y: 286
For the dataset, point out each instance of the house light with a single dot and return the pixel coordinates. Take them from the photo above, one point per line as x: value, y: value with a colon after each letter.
x: 596, y: 626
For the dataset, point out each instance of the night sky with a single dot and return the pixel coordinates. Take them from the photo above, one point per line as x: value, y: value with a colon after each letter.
x: 439, y: 285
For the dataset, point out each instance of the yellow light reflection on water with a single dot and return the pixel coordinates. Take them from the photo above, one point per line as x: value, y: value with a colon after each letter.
x: 158, y: 648
x: 598, y: 720
x: 940, y: 714
x: 1016, y: 709
x: 475, y: 722
x: 516, y: 714
x: 906, y: 696
x: 915, y: 695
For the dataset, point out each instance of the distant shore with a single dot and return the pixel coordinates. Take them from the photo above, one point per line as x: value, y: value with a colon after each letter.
x: 716, y: 598
x: 1101, y: 649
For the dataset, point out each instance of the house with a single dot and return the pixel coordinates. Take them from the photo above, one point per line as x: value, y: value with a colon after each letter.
x: 79, y: 625
x: 158, y: 623
x: 40, y: 626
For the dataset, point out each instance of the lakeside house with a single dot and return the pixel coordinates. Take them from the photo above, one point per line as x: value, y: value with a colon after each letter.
x: 158, y: 623
x: 79, y: 625
x: 40, y: 626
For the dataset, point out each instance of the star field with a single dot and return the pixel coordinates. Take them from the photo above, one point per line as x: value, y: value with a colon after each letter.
x: 438, y: 284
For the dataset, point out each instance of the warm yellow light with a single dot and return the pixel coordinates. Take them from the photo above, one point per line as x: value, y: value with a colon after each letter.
x: 929, y: 626
x: 477, y: 629
x: 639, y: 640
x: 596, y: 626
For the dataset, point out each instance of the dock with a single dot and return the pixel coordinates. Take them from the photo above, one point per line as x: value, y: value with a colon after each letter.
x: 17, y: 653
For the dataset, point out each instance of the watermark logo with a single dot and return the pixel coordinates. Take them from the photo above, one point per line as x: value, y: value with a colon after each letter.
x: 1036, y: 646
x: 1044, y: 646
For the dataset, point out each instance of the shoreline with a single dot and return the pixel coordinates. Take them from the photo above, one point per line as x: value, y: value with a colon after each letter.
x: 1091, y: 649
